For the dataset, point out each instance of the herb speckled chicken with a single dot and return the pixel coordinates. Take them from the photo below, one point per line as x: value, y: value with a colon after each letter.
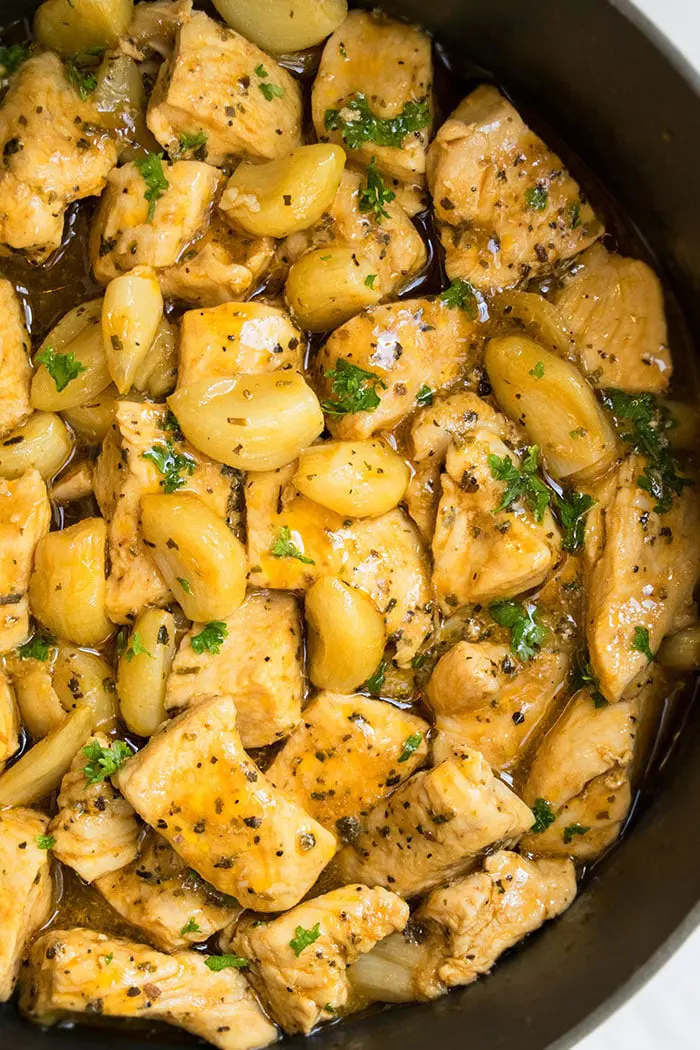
x: 25, y: 514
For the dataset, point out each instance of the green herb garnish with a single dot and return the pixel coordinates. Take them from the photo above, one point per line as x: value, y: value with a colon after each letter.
x: 575, y: 215
x: 190, y: 927
x: 63, y: 368
x: 137, y: 648
x: 461, y: 294
x: 544, y: 816
x: 195, y: 143
x: 210, y: 638
x: 303, y: 938
x: 536, y: 197
x: 284, y: 547
x: 376, y: 195
x: 109, y: 959
x: 45, y: 841
x: 424, y: 396
x: 171, y: 464
x: 185, y: 584
x: 83, y: 80
x: 411, y: 744
x: 375, y: 682
x: 571, y: 510
x: 11, y: 58
x: 640, y: 642
x: 354, y: 388
x: 522, y: 484
x: 370, y: 279
x: 271, y: 91
x: 225, y: 962
x: 151, y: 168
x: 104, y: 761
x: 585, y: 678
x: 573, y: 829
x: 526, y: 634
x: 538, y: 370
x: 37, y: 648
x: 363, y: 126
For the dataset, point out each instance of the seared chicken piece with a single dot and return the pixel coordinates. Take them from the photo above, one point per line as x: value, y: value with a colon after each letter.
x: 194, y: 783
x: 614, y: 308
x: 349, y: 753
x: 15, y: 367
x: 482, y: 553
x: 237, y: 337
x: 9, y: 722
x: 76, y: 971
x: 55, y: 152
x: 158, y: 894
x: 95, y: 829
x: 154, y: 27
x: 581, y: 771
x: 218, y: 83
x: 389, y: 65
x: 303, y: 980
x: 642, y: 568
x: 429, y: 830
x: 484, y: 701
x: 406, y: 346
x: 39, y: 706
x: 25, y: 516
x: 122, y: 477
x: 122, y: 236
x: 382, y: 556
x: 508, y: 209
x: 259, y: 662
x: 25, y: 888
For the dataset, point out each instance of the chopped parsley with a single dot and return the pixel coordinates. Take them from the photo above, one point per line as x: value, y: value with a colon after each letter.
x: 304, y: 938
x: 424, y: 396
x: 83, y: 79
x: 584, y: 677
x: 185, y: 584
x: 63, y: 368
x: 526, y: 634
x: 171, y: 464
x: 536, y: 198
x: 370, y: 279
x: 195, y: 143
x: 411, y: 744
x: 284, y: 547
x: 573, y: 829
x: 104, y: 761
x: 575, y: 215
x: 522, y: 484
x: 109, y: 959
x: 376, y: 681
x: 173, y: 426
x: 375, y: 195
x: 260, y: 71
x: 640, y: 642
x: 45, y: 841
x: 210, y: 638
x: 271, y: 91
x: 461, y: 294
x: 190, y: 927
x: 362, y: 125
x: 151, y: 168
x: 11, y: 58
x: 538, y: 370
x: 544, y: 816
x: 225, y: 962
x: 571, y: 510
x: 137, y: 648
x: 354, y: 388
x: 37, y: 648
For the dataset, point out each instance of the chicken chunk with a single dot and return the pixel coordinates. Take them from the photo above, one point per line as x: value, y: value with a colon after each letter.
x: 9, y: 721
x: 123, y: 236
x: 614, y: 308
x: 25, y: 888
x: 385, y: 68
x: 382, y: 556
x: 25, y: 516
x: 259, y: 662
x: 218, y: 83
x: 485, y: 702
x: 406, y: 346
x: 75, y: 971
x: 581, y: 773
x: 194, y: 783
x: 506, y: 205
x: 237, y: 337
x: 122, y: 476
x: 432, y: 826
x: 95, y: 829
x: 304, y: 982
x: 158, y: 894
x: 349, y: 753
x: 154, y: 27
x: 55, y: 151
x: 15, y: 367
x: 642, y: 568
x: 39, y: 706
x: 482, y: 553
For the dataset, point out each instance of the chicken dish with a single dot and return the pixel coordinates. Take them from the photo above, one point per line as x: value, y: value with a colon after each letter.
x: 349, y: 520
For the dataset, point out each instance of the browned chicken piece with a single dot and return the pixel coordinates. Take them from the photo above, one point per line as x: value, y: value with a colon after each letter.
x: 154, y: 27
x: 95, y: 829
x: 430, y: 829
x: 237, y: 337
x: 580, y: 777
x: 642, y: 568
x: 122, y: 236
x: 485, y: 701
x: 74, y: 971
x: 55, y: 152
x: 260, y: 662
x: 482, y: 553
x: 382, y: 556
x: 614, y: 308
x: 349, y: 753
x: 158, y: 894
x: 15, y: 367
x: 406, y: 346
x: 25, y: 888
x: 194, y: 783
x: 385, y: 66
x: 298, y: 962
x: 9, y: 721
x: 391, y: 243
x: 507, y: 207
x: 218, y: 83
x: 40, y: 709
x: 122, y: 476
x: 25, y: 516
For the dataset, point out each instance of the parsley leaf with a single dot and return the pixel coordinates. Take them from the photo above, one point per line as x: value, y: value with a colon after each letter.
x: 271, y: 91
x: 63, y: 368
x: 411, y: 744
x: 83, y: 79
x: 109, y: 958
x: 370, y: 279
x: 284, y: 547
x: 210, y: 638
x: 224, y: 962
x: 195, y: 143
x: 361, y: 125
x: 45, y: 841
x: 173, y: 426
x: 573, y: 829
x: 104, y: 761
x: 575, y: 215
x: 526, y: 634
x: 536, y: 197
x: 355, y: 389
x: 375, y: 195
x: 572, y: 510
x: 303, y: 938
x: 11, y: 58
x: 185, y: 584
x: 544, y: 816
x: 640, y: 642
x: 190, y: 927
x: 538, y: 370
x: 461, y: 294
x: 137, y: 648
x: 375, y: 682
x: 585, y: 678
x: 521, y: 484
x: 151, y: 168
x: 37, y: 648
x: 170, y: 463
x: 424, y: 396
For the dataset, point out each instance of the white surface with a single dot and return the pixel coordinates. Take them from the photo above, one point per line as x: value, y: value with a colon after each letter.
x: 664, y: 1014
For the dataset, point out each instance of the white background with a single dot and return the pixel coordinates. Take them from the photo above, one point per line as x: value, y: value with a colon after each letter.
x: 664, y: 1014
